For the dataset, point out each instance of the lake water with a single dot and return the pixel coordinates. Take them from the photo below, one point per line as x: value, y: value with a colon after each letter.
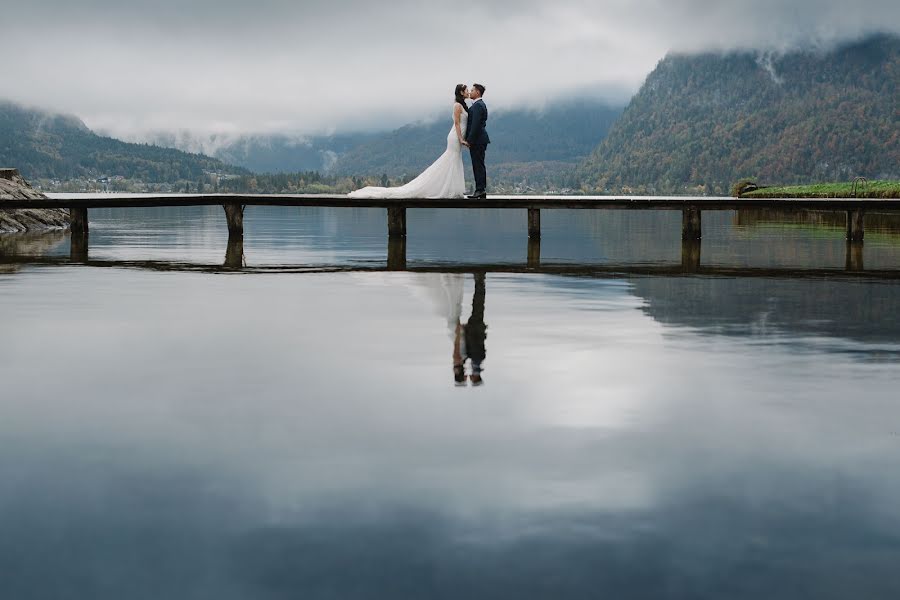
x: 293, y: 427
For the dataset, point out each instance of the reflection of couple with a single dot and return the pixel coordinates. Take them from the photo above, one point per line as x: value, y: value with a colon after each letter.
x: 446, y: 291
x: 445, y: 177
x: 468, y: 339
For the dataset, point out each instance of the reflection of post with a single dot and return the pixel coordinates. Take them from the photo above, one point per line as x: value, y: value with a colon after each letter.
x: 855, y: 228
x: 78, y: 248
x: 690, y: 223
x: 854, y: 256
x: 690, y: 255
x: 534, y: 252
x: 234, y: 252
x: 396, y: 260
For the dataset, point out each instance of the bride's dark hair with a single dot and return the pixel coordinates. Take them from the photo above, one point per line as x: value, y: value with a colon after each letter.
x: 459, y: 97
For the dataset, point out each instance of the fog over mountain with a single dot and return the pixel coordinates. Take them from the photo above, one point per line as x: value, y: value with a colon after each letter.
x: 263, y: 153
x: 229, y: 67
x: 562, y: 131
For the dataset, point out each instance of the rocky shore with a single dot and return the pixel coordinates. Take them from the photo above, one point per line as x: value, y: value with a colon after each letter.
x: 12, y: 185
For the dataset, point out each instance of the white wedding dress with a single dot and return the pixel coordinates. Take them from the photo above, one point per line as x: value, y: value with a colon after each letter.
x: 445, y: 177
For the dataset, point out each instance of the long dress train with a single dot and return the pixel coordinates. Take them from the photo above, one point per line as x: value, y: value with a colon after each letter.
x: 445, y: 177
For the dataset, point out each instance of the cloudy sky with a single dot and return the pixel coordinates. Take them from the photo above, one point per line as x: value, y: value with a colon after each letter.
x: 309, y: 66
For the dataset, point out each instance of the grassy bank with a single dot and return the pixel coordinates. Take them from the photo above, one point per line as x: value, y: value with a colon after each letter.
x: 874, y: 189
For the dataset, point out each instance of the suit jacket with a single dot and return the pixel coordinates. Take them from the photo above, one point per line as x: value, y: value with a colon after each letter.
x: 476, y: 134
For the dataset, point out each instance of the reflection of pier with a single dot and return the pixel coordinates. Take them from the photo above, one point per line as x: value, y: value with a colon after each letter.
x: 396, y: 260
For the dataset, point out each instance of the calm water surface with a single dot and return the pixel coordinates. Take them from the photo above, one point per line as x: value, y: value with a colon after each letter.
x: 172, y: 429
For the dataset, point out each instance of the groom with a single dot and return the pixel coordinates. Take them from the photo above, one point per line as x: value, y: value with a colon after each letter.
x: 477, y: 139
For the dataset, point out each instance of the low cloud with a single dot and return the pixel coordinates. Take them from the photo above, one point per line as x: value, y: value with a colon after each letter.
x: 230, y: 67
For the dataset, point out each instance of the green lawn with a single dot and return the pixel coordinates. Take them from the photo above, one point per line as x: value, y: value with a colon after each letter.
x: 874, y: 189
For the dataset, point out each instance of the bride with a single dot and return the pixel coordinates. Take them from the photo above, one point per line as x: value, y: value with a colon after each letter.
x: 445, y: 177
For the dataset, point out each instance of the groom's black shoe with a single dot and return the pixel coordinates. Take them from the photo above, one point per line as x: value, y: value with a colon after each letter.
x: 478, y: 195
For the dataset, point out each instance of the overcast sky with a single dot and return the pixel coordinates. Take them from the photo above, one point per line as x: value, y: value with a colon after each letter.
x: 129, y: 66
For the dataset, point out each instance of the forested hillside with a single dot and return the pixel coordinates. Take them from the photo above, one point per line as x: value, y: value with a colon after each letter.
x: 50, y: 146
x: 701, y: 122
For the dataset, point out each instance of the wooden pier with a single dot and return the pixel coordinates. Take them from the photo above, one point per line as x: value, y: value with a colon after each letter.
x: 691, y: 207
x: 691, y: 210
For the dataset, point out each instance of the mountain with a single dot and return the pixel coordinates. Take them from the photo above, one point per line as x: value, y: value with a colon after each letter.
x: 532, y: 146
x: 44, y: 145
x: 266, y: 153
x: 701, y: 122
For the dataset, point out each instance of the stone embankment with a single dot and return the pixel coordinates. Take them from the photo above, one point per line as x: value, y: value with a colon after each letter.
x: 12, y: 185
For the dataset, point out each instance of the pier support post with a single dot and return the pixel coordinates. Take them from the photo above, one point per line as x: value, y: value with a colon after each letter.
x: 396, y: 222
x: 396, y: 260
x: 534, y: 224
x: 534, y: 252
x: 234, y: 213
x: 234, y: 252
x: 855, y: 230
x: 690, y: 255
x: 854, y: 256
x: 79, y: 218
x: 690, y: 223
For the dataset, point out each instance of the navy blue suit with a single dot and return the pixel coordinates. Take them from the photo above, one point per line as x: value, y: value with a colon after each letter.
x: 478, y: 139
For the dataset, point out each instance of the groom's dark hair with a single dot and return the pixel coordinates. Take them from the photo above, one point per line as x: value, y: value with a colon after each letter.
x: 479, y: 87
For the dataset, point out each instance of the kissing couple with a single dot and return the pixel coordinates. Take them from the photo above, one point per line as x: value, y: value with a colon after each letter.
x: 445, y: 177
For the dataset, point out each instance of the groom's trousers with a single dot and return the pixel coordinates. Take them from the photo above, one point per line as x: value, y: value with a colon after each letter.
x: 478, y: 169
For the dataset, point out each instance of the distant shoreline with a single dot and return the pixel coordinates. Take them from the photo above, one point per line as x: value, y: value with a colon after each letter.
x: 872, y: 189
